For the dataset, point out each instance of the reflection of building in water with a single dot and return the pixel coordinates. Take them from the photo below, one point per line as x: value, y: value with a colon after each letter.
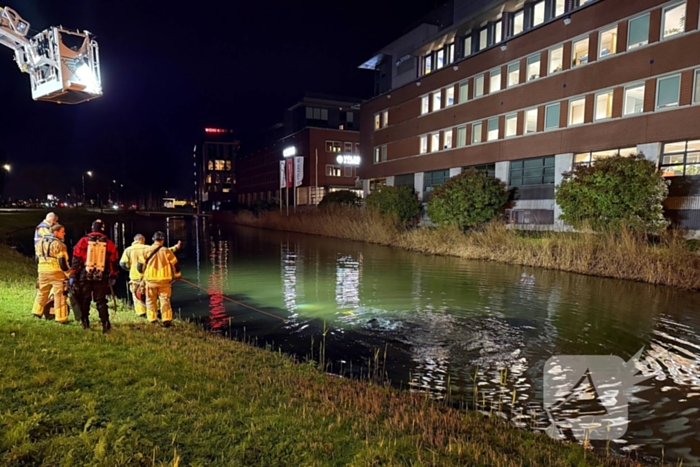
x: 430, y: 351
x: 347, y: 281
x: 292, y: 267
x: 219, y: 269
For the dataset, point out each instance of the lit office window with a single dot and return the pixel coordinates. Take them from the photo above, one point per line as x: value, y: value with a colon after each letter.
x: 673, y: 20
x: 427, y: 64
x: 385, y: 118
x: 579, y: 52
x: 538, y: 13
x: 492, y: 129
x: 463, y: 91
x: 634, y: 99
x: 668, y: 92
x: 577, y: 110
x: 498, y: 31
x: 476, y: 133
x: 603, y: 105
x: 483, y: 38
x: 495, y: 80
x: 468, y: 45
x: 513, y: 74
x: 518, y: 22
x: 588, y: 158
x: 511, y: 125
x: 531, y: 121
x: 681, y: 158
x: 607, y: 45
x: 450, y: 53
x: 424, y: 105
x: 447, y: 139
x: 696, y: 92
x: 479, y: 86
x: 559, y: 7
x: 377, y: 154
x: 439, y: 59
x: 638, y: 32
x: 461, y: 136
x: 533, y: 67
x: 551, y: 116
x: 556, y: 59
x: 377, y: 122
x: 435, y: 142
x: 423, y: 144
x: 437, y: 100
x: 449, y: 96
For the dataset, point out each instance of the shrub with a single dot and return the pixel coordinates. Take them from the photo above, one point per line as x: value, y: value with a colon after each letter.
x: 399, y: 201
x: 614, y: 192
x: 466, y: 200
x: 262, y: 205
x: 344, y: 197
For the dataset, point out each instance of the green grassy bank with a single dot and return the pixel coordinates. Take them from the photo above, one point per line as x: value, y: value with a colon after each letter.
x: 620, y: 255
x: 148, y: 396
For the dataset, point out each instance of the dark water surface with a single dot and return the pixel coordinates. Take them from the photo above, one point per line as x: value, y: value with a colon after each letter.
x: 476, y: 331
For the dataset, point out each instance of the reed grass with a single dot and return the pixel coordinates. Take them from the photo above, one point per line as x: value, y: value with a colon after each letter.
x: 619, y: 254
x: 147, y: 396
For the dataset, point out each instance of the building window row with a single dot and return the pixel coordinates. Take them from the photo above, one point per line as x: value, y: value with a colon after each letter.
x: 587, y: 158
x: 338, y: 171
x: 438, y: 59
x: 313, y: 113
x: 535, y: 171
x: 380, y: 154
x: 680, y: 158
x: 673, y: 23
x: 667, y: 97
x: 339, y: 146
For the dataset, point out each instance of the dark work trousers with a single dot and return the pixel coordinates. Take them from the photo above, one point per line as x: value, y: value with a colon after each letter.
x: 87, y: 291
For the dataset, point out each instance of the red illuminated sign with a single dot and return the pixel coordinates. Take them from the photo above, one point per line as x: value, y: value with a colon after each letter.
x: 216, y: 130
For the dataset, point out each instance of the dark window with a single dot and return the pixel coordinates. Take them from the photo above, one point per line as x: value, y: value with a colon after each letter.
x: 488, y: 169
x: 432, y: 180
x: 404, y: 180
x: 538, y: 171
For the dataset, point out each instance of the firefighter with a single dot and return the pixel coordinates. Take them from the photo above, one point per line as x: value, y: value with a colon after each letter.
x: 129, y: 262
x: 160, y: 268
x: 44, y: 227
x: 93, y: 272
x: 52, y: 264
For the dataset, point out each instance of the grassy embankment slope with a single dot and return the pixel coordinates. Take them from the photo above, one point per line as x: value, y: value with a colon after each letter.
x: 619, y: 255
x: 148, y: 396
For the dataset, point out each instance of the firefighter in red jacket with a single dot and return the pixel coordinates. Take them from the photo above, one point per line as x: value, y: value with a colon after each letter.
x: 93, y: 271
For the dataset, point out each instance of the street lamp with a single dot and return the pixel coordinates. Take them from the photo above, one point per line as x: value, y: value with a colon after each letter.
x: 89, y: 173
x: 7, y: 167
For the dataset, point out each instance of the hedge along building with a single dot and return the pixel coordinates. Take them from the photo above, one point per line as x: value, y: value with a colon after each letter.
x: 527, y: 90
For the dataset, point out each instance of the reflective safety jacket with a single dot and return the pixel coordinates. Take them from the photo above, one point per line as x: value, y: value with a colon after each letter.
x: 131, y: 257
x: 161, y: 267
x: 80, y: 252
x: 41, y: 231
x: 51, y: 255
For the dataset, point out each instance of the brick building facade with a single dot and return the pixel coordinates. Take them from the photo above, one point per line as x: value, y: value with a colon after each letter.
x: 527, y: 93
x: 321, y: 129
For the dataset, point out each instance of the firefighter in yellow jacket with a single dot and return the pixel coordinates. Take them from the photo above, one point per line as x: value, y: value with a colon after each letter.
x: 160, y: 268
x: 130, y: 261
x: 52, y: 260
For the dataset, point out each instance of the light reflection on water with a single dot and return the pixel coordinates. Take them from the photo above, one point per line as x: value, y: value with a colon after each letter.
x: 477, y: 332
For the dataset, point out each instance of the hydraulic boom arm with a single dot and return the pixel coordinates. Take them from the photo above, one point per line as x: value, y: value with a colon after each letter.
x: 63, y: 65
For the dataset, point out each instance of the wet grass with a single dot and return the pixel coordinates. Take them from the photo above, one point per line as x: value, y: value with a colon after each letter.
x: 670, y: 260
x: 146, y: 396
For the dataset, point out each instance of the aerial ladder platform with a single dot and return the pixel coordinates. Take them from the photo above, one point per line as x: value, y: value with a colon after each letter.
x: 63, y: 65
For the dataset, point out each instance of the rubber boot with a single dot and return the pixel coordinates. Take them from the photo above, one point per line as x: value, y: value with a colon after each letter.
x: 106, y: 327
x: 86, y: 323
x: 167, y: 324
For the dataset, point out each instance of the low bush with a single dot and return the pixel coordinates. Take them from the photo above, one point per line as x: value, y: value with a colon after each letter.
x: 343, y: 198
x: 468, y: 199
x: 399, y: 201
x: 263, y: 205
x: 614, y: 192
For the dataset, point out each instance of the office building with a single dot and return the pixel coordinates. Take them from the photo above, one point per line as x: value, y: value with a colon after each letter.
x: 214, y: 163
x: 324, y: 131
x: 526, y: 90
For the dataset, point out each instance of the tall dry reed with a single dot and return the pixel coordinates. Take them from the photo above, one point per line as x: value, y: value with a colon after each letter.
x: 619, y: 254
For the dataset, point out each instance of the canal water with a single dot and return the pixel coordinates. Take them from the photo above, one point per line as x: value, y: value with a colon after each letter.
x: 477, y: 333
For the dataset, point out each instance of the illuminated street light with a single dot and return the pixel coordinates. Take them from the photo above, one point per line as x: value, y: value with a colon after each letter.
x: 7, y: 167
x: 89, y: 173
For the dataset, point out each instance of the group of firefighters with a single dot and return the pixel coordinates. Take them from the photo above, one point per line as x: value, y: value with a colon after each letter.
x: 92, y: 272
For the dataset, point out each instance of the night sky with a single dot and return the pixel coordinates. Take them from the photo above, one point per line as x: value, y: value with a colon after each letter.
x: 168, y: 71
